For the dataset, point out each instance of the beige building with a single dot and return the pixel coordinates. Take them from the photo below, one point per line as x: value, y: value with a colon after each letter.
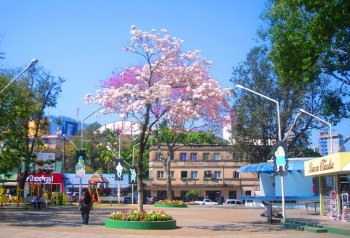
x: 210, y: 169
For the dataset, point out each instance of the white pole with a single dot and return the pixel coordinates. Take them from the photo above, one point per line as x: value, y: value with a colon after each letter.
x: 81, y: 144
x: 133, y: 159
x: 33, y: 62
x: 331, y: 137
x: 80, y: 186
x: 118, y: 192
x: 279, y: 139
x: 329, y: 124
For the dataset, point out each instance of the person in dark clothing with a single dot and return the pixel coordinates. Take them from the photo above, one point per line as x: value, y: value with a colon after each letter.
x: 85, y: 206
x: 36, y: 202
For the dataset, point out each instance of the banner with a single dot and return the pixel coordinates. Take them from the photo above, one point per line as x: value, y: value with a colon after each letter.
x: 48, y: 160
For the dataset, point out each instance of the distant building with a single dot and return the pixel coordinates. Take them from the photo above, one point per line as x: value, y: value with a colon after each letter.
x: 329, y: 144
x: 69, y: 126
x: 124, y: 127
x: 210, y: 169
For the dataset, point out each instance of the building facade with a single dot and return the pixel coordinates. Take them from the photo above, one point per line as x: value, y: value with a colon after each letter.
x: 329, y: 145
x: 210, y: 169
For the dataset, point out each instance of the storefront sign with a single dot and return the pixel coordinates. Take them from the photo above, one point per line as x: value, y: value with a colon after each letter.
x: 323, y: 166
x: 39, y: 179
x: 47, y: 178
x: 201, y: 163
x: 326, y: 165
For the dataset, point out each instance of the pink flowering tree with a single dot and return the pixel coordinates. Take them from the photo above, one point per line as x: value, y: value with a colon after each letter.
x: 170, y: 86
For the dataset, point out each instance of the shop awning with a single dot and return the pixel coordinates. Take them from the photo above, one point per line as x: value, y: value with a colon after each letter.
x: 293, y: 165
x: 263, y: 167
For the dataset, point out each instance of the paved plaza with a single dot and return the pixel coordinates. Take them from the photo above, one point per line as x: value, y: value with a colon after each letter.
x: 194, y: 221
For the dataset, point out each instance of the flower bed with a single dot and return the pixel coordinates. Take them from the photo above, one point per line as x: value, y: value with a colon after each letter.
x: 133, y: 219
x: 170, y: 203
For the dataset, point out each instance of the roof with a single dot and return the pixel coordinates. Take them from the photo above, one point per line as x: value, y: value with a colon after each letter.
x: 96, y: 178
x: 293, y: 165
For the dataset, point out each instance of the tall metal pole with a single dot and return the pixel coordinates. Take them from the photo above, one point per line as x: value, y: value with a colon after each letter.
x: 110, y: 149
x: 133, y: 159
x: 291, y: 127
x: 279, y: 139
x: 32, y: 63
x: 81, y: 145
x: 329, y: 124
x: 63, y: 154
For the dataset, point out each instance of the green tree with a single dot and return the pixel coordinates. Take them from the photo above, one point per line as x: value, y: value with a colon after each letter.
x: 174, y: 139
x: 309, y: 38
x: 255, y: 121
x: 27, y: 100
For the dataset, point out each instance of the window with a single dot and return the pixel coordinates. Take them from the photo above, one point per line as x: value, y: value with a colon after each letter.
x: 206, y: 156
x: 194, y: 174
x: 183, y: 156
x: 158, y: 156
x: 207, y: 174
x: 234, y: 156
x: 160, y: 174
x: 216, y: 156
x: 172, y: 174
x: 184, y: 174
x: 232, y: 194
x: 193, y: 156
x: 235, y: 174
x: 248, y: 193
x: 217, y: 174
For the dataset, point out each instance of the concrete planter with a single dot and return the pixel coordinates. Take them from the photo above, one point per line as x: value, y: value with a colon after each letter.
x: 170, y: 205
x: 141, y: 225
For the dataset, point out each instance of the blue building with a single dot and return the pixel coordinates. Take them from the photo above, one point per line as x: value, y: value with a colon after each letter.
x: 329, y: 145
x: 69, y: 126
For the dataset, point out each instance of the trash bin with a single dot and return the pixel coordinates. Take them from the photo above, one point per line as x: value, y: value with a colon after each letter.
x: 268, y: 211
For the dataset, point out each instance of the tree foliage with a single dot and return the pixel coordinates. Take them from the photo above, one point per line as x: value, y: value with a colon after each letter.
x: 309, y: 38
x: 171, y: 85
x: 22, y: 116
x: 255, y: 127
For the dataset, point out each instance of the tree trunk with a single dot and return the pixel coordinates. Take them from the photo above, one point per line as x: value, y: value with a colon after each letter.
x: 168, y: 178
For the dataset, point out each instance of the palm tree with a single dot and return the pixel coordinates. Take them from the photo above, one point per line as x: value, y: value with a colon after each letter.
x: 107, y: 157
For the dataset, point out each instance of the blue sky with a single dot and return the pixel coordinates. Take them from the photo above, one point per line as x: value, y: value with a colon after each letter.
x: 82, y: 41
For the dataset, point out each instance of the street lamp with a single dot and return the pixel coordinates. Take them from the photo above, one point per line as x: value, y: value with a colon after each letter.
x: 286, y: 135
x: 329, y: 124
x: 82, y: 170
x: 32, y: 63
x: 279, y: 139
x: 82, y: 127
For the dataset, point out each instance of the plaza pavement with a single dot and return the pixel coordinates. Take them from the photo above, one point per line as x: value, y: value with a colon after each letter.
x: 194, y: 221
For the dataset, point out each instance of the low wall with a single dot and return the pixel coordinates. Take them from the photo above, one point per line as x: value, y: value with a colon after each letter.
x: 110, y: 199
x: 290, y: 201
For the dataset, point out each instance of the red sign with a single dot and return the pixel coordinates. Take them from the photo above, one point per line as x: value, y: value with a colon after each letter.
x: 45, y: 178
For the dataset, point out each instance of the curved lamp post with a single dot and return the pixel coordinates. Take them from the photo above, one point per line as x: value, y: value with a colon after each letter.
x: 279, y: 138
x: 291, y: 127
x: 82, y: 171
x: 329, y: 124
x: 32, y: 63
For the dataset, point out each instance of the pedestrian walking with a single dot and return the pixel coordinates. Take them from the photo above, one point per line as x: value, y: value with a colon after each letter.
x: 85, y: 206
